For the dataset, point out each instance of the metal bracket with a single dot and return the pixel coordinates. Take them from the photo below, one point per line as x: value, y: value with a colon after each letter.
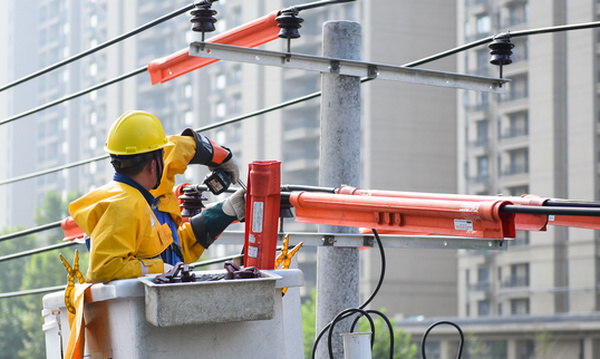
x: 368, y: 241
x: 347, y: 67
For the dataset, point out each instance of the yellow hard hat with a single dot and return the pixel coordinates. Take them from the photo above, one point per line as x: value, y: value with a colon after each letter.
x: 136, y: 132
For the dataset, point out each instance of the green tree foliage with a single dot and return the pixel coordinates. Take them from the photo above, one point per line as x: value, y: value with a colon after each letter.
x: 21, y: 334
x: 403, y: 348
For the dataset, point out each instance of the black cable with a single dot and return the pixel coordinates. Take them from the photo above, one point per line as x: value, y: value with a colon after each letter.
x: 51, y: 170
x: 551, y: 210
x: 389, y: 325
x: 460, y: 332
x: 30, y: 231
x: 485, y: 40
x: 32, y: 291
x: 99, y: 47
x: 342, y: 315
x: 75, y: 95
x: 375, y: 291
x: 37, y: 250
x: 312, y: 5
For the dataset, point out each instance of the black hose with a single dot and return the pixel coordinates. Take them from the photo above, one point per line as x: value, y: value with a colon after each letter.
x: 460, y: 332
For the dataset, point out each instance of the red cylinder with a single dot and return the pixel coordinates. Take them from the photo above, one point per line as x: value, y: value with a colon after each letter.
x: 263, y: 195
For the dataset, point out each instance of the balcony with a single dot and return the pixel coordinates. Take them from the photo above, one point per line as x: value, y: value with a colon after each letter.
x: 514, y: 132
x: 514, y: 170
x: 515, y: 282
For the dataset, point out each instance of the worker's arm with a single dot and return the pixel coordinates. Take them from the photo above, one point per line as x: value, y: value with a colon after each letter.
x: 212, y: 155
x: 204, y: 228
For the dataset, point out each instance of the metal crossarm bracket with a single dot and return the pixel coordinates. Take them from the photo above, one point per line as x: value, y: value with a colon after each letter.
x: 347, y: 67
x: 389, y: 241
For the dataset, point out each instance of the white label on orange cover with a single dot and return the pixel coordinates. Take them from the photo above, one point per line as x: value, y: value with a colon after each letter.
x: 463, y: 225
x: 257, y: 217
x: 252, y: 238
x: 252, y: 252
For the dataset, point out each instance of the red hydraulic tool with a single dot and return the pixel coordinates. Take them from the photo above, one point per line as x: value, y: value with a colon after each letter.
x: 252, y: 34
x: 263, y: 197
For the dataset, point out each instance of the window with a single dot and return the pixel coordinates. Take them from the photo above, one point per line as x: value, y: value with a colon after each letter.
x: 483, y: 170
x: 518, y: 124
x: 220, y: 81
x: 483, y: 279
x: 188, y: 118
x: 519, y: 276
x: 482, y: 132
x: 519, y: 306
x: 483, y: 308
x: 220, y: 110
x: 483, y: 24
x: 518, y: 162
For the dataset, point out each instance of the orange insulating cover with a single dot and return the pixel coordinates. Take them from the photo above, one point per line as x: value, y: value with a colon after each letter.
x: 588, y: 222
x: 523, y: 222
x: 252, y: 34
x: 72, y: 230
x: 406, y: 215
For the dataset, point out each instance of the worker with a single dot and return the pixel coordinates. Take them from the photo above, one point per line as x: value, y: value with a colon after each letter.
x: 134, y: 222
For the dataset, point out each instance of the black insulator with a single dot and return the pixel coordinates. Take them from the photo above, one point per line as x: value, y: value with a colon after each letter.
x: 203, y: 19
x: 501, y: 49
x: 192, y: 202
x: 289, y: 23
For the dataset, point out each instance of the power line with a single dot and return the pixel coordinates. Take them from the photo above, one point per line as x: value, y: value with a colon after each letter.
x: 32, y: 291
x: 99, y: 47
x: 37, y: 250
x: 75, y: 95
x: 30, y: 231
x: 52, y: 170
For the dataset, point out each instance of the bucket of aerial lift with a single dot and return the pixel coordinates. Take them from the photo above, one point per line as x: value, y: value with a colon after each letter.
x: 406, y: 215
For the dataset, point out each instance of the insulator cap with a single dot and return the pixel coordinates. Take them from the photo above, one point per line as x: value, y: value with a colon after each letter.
x: 192, y: 202
x: 501, y: 49
x: 203, y: 19
x: 289, y: 23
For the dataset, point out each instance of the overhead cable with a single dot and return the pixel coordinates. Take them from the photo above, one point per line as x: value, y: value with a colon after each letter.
x: 30, y: 231
x: 75, y: 95
x: 52, y: 170
x: 287, y: 103
x: 99, y: 47
x: 38, y: 250
x: 32, y: 291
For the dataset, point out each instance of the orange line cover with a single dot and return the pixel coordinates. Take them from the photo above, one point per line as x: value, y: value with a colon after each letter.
x: 406, y: 215
x: 252, y: 34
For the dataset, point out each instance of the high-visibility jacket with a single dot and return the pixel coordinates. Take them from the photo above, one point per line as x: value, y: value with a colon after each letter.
x: 123, y: 229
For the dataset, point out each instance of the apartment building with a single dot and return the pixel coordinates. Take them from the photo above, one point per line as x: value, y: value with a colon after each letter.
x: 407, y: 143
x: 538, y: 298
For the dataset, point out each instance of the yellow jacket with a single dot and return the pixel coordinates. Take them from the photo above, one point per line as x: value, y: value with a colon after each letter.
x: 123, y: 229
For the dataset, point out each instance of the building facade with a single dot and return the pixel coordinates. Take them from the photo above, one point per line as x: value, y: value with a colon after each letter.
x: 541, y: 137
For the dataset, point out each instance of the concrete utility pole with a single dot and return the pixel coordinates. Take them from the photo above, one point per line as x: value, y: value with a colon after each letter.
x: 339, y: 163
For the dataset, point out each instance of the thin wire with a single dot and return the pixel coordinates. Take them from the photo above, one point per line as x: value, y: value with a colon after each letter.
x: 32, y: 291
x: 51, y: 170
x: 99, y: 47
x: 37, y: 250
x: 30, y: 231
x: 75, y: 95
